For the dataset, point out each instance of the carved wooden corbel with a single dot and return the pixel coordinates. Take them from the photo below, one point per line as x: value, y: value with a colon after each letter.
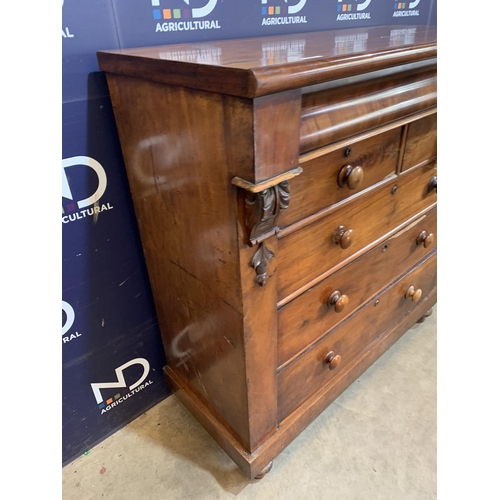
x: 260, y: 262
x: 263, y: 204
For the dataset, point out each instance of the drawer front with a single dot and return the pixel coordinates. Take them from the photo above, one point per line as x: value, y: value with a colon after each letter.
x: 421, y: 141
x: 334, y: 176
x: 344, y: 111
x: 318, y: 310
x: 309, y: 252
x: 330, y: 357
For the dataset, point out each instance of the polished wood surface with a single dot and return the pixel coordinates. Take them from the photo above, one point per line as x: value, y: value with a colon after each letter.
x: 286, y: 200
x: 334, y: 114
x: 421, y: 141
x: 337, y: 301
x: 349, y: 227
x: 252, y: 464
x: 309, y: 316
x: 292, y: 426
x: 252, y: 67
x: 276, y: 129
x: 307, y: 374
x: 169, y: 177
x: 426, y: 239
x: 322, y: 182
x: 351, y: 176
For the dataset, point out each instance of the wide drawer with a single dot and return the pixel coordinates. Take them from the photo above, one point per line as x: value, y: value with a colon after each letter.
x: 330, y: 357
x: 311, y: 251
x: 331, y: 301
x: 421, y: 141
x: 343, y: 111
x: 336, y: 175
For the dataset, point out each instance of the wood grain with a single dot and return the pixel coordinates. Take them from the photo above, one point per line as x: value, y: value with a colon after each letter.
x: 241, y: 254
x: 308, y: 317
x: 421, y: 141
x: 338, y: 113
x: 294, y: 424
x: 317, y: 187
x: 308, y: 373
x: 259, y: 66
x: 305, y: 254
x: 276, y: 128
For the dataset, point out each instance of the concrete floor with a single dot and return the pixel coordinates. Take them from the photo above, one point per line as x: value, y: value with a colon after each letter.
x: 376, y: 441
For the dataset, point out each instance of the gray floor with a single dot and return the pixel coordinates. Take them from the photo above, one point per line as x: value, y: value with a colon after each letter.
x: 376, y: 441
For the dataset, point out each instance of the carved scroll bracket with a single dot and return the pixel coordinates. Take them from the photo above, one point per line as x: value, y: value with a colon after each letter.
x: 260, y: 262
x: 264, y: 203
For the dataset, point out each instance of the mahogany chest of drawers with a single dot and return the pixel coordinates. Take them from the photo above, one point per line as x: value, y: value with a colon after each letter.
x: 285, y: 190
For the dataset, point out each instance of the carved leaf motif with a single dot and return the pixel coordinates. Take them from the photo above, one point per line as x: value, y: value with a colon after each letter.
x: 260, y: 262
x: 268, y: 203
x: 262, y: 209
x: 283, y: 190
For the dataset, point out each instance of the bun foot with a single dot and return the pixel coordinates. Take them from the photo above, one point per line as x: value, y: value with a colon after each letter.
x: 426, y: 315
x: 264, y: 471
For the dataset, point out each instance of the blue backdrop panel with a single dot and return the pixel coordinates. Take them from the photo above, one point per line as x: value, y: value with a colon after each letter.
x: 87, y: 26
x: 102, y: 391
x: 108, y: 313
x: 157, y: 22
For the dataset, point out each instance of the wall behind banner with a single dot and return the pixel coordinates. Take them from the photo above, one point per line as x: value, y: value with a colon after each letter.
x: 111, y: 345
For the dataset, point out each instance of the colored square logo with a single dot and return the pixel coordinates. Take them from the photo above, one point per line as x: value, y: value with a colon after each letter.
x: 270, y: 10
x: 117, y: 396
x: 177, y: 13
x: 277, y: 10
x: 264, y: 11
x: 156, y: 14
x: 109, y: 401
x: 167, y: 14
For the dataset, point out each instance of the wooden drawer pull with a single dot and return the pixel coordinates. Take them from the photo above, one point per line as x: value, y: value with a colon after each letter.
x: 427, y: 239
x: 332, y: 360
x: 413, y: 294
x: 350, y: 176
x: 343, y: 237
x: 337, y: 301
x: 433, y: 184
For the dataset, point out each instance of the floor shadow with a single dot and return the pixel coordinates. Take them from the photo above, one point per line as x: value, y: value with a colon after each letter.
x: 178, y: 432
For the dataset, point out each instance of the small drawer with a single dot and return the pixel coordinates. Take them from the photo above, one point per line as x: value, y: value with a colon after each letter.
x: 331, y: 356
x: 334, y: 176
x: 306, y: 254
x: 421, y: 141
x: 331, y: 301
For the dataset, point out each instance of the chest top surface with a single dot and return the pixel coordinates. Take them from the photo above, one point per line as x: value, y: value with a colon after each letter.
x: 254, y: 67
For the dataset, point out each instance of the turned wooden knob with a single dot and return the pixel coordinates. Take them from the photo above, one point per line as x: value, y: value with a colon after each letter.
x: 413, y: 294
x: 350, y: 176
x: 433, y: 184
x: 427, y: 239
x: 332, y: 360
x: 337, y: 301
x: 343, y: 237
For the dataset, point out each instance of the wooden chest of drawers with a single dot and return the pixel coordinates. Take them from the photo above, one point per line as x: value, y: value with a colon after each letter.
x: 285, y: 190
